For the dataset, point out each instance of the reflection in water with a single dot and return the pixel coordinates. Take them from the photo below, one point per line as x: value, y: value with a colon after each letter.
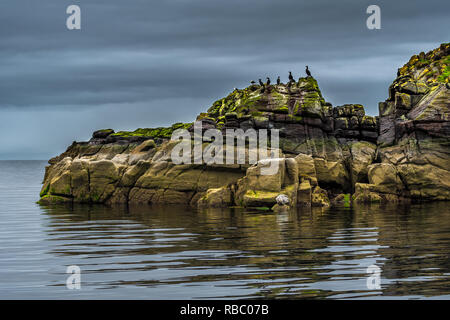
x: 177, y: 253
x: 232, y: 253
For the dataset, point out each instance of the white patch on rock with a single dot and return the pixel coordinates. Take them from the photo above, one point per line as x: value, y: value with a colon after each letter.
x: 282, y: 199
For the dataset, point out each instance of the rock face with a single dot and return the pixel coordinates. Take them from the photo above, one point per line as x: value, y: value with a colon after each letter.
x: 325, y: 153
x: 414, y: 140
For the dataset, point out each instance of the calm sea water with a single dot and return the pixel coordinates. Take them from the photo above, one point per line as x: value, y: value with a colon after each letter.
x: 180, y: 253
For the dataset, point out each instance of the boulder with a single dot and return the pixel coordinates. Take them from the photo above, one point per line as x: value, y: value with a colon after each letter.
x: 362, y: 155
x: 332, y: 174
x: 259, y: 198
x: 258, y: 180
x: 384, y: 177
x: 319, y: 198
x: 426, y: 182
x: 216, y: 198
x: 102, y: 134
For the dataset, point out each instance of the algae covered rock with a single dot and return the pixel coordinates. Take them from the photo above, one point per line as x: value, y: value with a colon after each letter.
x: 52, y: 199
x: 261, y: 186
x: 216, y: 198
x: 415, y: 129
x: 319, y: 198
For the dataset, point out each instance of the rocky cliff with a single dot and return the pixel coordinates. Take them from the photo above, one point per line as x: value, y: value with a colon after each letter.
x: 414, y: 137
x: 326, y: 154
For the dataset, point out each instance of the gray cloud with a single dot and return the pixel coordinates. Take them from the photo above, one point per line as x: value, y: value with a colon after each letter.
x: 148, y: 63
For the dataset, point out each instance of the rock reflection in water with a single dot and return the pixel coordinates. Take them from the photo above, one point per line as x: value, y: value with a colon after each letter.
x: 177, y: 252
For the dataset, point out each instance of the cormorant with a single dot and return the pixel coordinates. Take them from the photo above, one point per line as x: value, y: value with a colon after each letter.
x: 291, y: 78
x: 252, y: 82
x: 268, y: 81
x: 278, y: 80
x: 398, y: 73
x: 260, y: 82
x: 307, y: 72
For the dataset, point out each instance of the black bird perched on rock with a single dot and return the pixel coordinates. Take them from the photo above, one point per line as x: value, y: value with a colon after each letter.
x: 252, y: 82
x: 278, y: 80
x: 398, y: 73
x: 268, y: 81
x: 307, y: 72
x: 260, y: 82
x: 291, y: 78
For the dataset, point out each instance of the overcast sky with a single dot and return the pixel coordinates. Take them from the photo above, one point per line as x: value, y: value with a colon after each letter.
x: 148, y: 63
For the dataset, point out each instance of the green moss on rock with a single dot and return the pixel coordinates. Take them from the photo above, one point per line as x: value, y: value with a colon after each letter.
x: 45, y: 190
x: 445, y: 76
x: 52, y: 199
x: 161, y: 132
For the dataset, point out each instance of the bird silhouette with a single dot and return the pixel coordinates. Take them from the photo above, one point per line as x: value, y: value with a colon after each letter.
x: 307, y: 72
x: 252, y: 82
x: 291, y: 78
x: 278, y: 80
x: 260, y: 82
x: 268, y: 81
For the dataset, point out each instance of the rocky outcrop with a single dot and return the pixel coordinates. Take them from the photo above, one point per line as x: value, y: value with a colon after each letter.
x: 325, y: 153
x: 414, y: 141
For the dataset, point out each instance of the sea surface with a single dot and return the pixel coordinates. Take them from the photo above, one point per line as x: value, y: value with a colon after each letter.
x: 181, y: 253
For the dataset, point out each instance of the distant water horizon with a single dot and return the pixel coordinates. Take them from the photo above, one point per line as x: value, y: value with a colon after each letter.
x: 13, y: 158
x: 148, y: 252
